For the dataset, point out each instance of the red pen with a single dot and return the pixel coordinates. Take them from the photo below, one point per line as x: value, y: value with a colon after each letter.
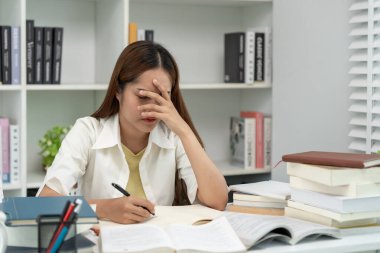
x: 66, y: 215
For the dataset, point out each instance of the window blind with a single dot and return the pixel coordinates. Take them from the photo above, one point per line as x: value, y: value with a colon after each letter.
x: 365, y: 76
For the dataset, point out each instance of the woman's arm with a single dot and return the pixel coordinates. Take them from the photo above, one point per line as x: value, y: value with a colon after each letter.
x: 124, y: 210
x: 212, y: 187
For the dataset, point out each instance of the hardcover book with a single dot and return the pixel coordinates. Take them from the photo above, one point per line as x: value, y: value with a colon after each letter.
x: 4, y: 128
x: 259, y: 60
x: 348, y: 160
x: 6, y: 54
x: 30, y: 51
x: 15, y: 154
x: 320, y: 219
x: 259, y: 133
x: 149, y: 35
x: 47, y: 55
x: 234, y: 47
x: 349, y: 190
x: 333, y: 176
x: 23, y: 211
x: 242, y: 141
x: 57, y: 55
x: 270, y: 188
x: 16, y: 55
x: 38, y: 54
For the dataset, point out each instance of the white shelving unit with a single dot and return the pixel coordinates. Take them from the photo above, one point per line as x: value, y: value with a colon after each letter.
x: 95, y: 32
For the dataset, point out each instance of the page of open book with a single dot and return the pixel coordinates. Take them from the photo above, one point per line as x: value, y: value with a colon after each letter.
x: 215, y: 236
x: 133, y: 238
x: 253, y: 229
x: 167, y: 215
x: 302, y: 229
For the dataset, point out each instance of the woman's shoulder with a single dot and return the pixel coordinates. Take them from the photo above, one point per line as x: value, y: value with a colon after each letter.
x: 90, y: 123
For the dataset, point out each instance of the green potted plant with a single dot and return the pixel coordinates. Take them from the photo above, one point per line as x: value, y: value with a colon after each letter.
x: 50, y: 143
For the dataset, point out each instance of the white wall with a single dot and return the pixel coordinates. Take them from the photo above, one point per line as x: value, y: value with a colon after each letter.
x: 310, y: 85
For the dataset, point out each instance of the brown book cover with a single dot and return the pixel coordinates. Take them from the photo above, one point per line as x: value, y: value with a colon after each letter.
x: 336, y: 159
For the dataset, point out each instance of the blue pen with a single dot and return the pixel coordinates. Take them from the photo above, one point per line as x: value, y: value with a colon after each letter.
x: 65, y: 229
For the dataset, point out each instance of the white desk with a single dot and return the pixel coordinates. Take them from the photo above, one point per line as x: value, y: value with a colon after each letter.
x: 353, y: 243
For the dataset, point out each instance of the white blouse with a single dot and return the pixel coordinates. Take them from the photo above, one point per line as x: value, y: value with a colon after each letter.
x: 91, y: 155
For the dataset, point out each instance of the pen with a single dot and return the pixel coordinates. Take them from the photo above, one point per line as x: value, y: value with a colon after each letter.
x: 61, y: 237
x: 69, y: 208
x: 120, y: 189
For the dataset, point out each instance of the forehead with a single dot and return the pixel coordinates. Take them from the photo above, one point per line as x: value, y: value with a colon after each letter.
x: 145, y: 80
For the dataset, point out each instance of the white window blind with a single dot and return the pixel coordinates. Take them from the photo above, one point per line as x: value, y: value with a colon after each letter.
x: 365, y: 76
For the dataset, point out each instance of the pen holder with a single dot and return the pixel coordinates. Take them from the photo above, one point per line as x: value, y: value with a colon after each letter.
x: 48, y: 226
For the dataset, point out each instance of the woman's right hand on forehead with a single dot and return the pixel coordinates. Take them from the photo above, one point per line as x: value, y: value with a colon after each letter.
x: 125, y: 210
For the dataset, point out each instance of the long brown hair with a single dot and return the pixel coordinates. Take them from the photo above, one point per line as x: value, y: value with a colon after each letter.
x: 135, y: 59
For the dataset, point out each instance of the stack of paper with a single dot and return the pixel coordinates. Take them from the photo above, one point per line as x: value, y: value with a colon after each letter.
x: 266, y: 197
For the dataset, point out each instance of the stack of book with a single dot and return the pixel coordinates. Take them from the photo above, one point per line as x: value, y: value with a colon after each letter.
x: 335, y: 189
x: 266, y: 197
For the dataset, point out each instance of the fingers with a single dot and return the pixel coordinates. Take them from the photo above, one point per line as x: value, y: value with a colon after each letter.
x: 153, y: 95
x: 144, y: 204
x: 164, y: 92
x: 150, y: 107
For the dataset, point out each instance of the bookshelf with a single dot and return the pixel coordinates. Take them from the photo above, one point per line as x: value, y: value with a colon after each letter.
x: 95, y: 32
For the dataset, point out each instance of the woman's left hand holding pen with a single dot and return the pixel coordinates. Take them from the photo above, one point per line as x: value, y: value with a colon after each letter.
x: 125, y: 210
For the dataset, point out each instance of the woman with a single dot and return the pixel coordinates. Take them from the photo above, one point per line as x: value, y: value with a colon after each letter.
x: 138, y: 137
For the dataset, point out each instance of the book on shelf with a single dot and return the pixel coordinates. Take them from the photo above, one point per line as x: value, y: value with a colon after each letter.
x: 234, y: 47
x: 1, y: 59
x: 132, y: 36
x: 259, y: 57
x: 4, y: 127
x: 57, y: 54
x: 337, y: 159
x: 267, y: 142
x: 149, y: 35
x: 339, y: 204
x: 324, y: 220
x: 29, y: 51
x: 242, y: 142
x: 6, y: 54
x: 16, y: 55
x: 47, y: 55
x: 263, y: 43
x: 255, y: 229
x: 15, y: 169
x: 140, y: 34
x: 270, y: 188
x: 249, y: 66
x: 215, y: 236
x: 340, y: 217
x: 38, y: 54
x: 349, y: 190
x: 23, y: 211
x: 333, y: 176
x: 259, y: 136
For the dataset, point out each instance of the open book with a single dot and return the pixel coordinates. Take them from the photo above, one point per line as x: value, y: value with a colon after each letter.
x: 253, y: 229
x: 215, y: 236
